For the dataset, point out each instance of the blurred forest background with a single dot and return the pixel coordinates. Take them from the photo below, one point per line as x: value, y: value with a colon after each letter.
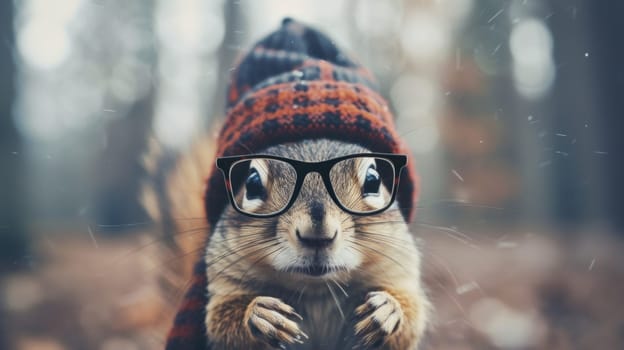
x: 511, y: 107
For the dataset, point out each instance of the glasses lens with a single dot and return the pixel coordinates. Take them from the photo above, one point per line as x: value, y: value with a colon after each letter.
x: 363, y: 184
x: 262, y: 186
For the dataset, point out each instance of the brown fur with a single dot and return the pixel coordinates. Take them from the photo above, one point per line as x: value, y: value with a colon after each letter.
x: 177, y: 205
x: 383, y: 304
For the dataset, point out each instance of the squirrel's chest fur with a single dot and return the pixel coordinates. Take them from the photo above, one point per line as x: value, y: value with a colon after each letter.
x: 326, y: 320
x: 324, y: 324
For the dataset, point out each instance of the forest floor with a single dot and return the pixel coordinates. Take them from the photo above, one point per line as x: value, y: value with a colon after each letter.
x: 515, y: 291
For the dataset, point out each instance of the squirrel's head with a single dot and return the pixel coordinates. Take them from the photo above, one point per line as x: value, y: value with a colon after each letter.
x: 314, y: 237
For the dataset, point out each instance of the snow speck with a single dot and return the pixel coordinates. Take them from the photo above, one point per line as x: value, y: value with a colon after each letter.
x: 457, y: 175
x: 496, y: 49
x: 507, y: 245
x: 95, y: 244
x: 468, y: 287
x: 561, y: 153
x: 495, y: 15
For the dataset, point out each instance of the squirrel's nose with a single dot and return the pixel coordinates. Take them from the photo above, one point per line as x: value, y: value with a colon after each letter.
x: 316, y: 241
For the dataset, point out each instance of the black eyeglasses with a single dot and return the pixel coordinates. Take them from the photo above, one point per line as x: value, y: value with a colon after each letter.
x: 266, y: 185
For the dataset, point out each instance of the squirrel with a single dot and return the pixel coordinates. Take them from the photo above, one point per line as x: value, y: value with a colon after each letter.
x: 264, y: 273
x: 316, y: 276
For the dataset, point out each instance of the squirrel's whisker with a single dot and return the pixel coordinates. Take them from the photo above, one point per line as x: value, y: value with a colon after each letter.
x: 258, y: 248
x: 340, y: 287
x: 331, y: 291
x: 377, y: 251
x: 248, y: 243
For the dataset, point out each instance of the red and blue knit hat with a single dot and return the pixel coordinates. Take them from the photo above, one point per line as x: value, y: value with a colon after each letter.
x: 293, y: 85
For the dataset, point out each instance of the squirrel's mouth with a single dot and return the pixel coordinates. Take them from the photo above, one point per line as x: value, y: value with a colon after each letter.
x: 317, y: 270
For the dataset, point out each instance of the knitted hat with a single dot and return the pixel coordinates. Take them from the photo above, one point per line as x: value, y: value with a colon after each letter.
x: 293, y: 85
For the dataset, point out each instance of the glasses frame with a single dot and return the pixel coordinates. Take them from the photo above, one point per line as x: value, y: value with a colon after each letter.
x: 398, y: 161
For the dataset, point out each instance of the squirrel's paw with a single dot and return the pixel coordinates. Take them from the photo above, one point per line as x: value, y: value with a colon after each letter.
x: 378, y: 318
x: 273, y: 322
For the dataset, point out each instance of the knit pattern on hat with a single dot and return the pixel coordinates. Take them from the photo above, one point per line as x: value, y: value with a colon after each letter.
x: 293, y: 85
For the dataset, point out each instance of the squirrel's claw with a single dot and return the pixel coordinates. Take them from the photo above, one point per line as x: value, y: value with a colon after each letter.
x: 379, y: 317
x: 273, y: 322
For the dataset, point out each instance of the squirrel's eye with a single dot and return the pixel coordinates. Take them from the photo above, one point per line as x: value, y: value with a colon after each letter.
x: 253, y: 185
x: 372, y: 182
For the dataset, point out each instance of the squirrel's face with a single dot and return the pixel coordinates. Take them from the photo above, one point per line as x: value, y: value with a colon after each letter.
x: 315, y: 233
x: 314, y: 237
